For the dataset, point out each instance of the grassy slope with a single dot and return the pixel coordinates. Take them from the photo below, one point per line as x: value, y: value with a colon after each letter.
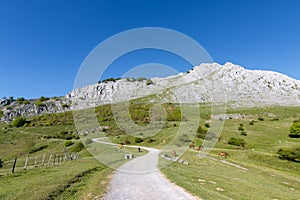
x: 88, y: 179
x: 267, y: 178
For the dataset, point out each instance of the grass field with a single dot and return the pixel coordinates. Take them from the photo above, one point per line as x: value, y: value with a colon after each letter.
x: 267, y: 177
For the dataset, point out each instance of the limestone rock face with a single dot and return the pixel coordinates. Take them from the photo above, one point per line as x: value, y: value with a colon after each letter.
x: 205, y: 83
x: 12, y: 108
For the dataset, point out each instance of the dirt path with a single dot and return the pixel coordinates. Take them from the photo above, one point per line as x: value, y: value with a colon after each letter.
x: 141, y: 179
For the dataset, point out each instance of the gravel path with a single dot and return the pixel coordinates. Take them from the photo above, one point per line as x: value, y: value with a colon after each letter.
x: 141, y: 179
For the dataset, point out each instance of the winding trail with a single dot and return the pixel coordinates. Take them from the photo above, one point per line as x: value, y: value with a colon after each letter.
x: 141, y: 179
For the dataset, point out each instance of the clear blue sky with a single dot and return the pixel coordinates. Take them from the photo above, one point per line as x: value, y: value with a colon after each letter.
x: 43, y: 42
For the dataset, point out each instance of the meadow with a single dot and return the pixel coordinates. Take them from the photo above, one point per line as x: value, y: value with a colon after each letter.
x: 263, y: 130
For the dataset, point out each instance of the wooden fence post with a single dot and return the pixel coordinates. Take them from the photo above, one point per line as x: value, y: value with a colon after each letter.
x: 54, y: 159
x: 14, y: 165
x: 43, y: 159
x: 25, y: 165
x: 49, y: 159
x: 65, y: 156
x: 35, y: 162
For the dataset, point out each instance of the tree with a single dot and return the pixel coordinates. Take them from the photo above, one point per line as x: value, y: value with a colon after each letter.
x: 295, y: 129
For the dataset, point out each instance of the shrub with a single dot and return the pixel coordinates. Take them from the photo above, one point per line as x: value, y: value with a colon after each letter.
x: 68, y: 143
x: 42, y: 98
x: 240, y: 128
x: 36, y: 149
x: 207, y: 125
x: 251, y: 123
x: 243, y: 133
x: 149, y: 82
x: 77, y: 147
x: 150, y: 140
x: 274, y: 119
x: 20, y: 100
x: 236, y: 142
x: 138, y: 140
x: 295, y: 129
x: 1, y: 113
x: 261, y: 119
x: 18, y: 122
x: 141, y: 79
x: 110, y: 79
x: 65, y: 105
x: 291, y: 154
x: 39, y: 103
x: 201, y: 132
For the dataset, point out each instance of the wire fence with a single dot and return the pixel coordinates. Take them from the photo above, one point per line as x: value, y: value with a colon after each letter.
x: 29, y: 162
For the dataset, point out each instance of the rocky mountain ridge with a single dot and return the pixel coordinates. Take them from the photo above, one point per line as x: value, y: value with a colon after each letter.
x: 228, y: 83
x: 205, y: 83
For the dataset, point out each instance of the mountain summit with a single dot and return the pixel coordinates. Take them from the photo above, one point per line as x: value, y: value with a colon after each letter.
x: 204, y: 83
x: 207, y: 83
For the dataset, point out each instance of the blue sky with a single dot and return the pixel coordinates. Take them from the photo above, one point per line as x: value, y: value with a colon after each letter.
x: 43, y: 43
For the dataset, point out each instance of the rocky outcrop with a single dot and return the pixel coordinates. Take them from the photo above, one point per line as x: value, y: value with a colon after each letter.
x: 228, y: 83
x: 205, y: 83
x: 12, y: 108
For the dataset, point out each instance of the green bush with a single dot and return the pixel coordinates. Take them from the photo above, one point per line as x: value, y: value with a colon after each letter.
x: 149, y: 82
x: 65, y: 105
x: 19, y: 121
x: 291, y: 154
x: 261, y: 119
x: 201, y: 132
x: 243, y: 133
x: 39, y: 103
x: 150, y: 140
x: 251, y: 123
x: 207, y: 125
x: 20, y: 100
x: 36, y: 149
x: 42, y: 98
x: 141, y: 79
x: 295, y: 129
x: 240, y: 128
x: 68, y: 143
x: 110, y: 79
x: 236, y: 142
x: 77, y: 147
x: 138, y: 140
x: 1, y: 113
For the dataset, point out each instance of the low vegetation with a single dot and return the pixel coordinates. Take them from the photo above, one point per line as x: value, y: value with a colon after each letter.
x: 269, y: 152
x: 291, y: 154
x: 237, y: 142
x: 295, y: 129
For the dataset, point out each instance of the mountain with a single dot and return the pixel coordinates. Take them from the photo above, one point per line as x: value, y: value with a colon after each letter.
x: 228, y: 83
x: 205, y: 83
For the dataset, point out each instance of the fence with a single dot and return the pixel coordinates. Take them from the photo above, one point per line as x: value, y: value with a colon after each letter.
x: 30, y: 162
